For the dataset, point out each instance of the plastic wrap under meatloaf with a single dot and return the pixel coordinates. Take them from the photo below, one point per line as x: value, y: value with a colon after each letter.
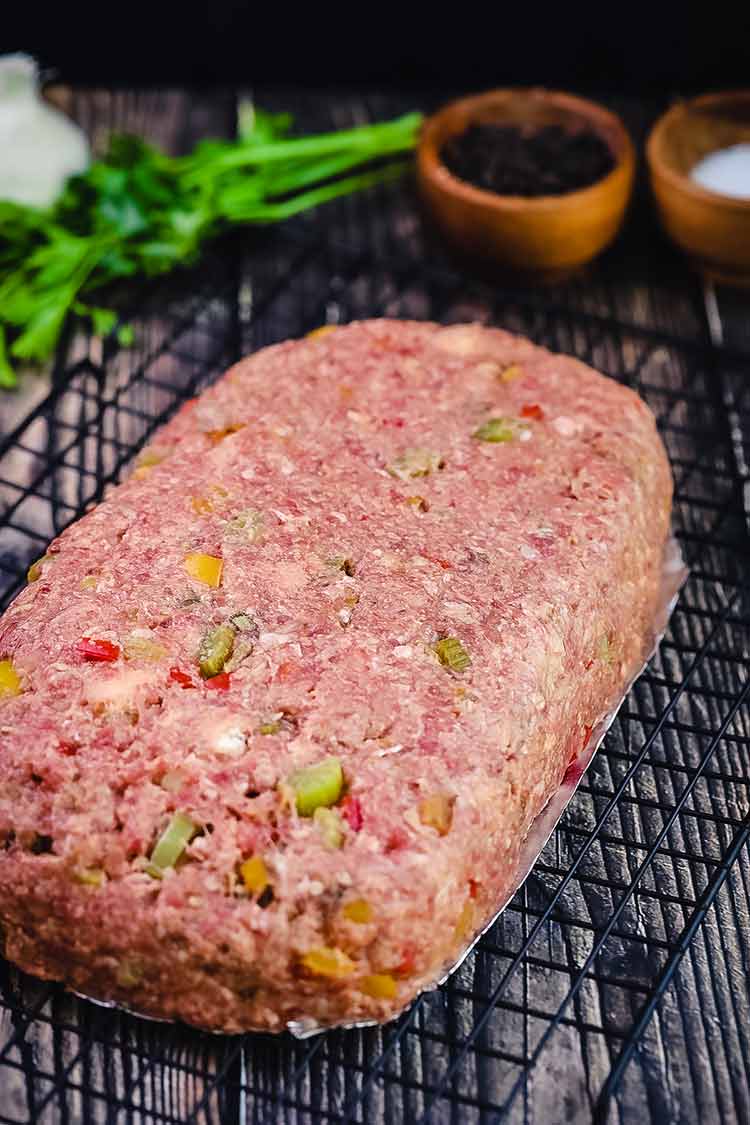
x: 426, y: 556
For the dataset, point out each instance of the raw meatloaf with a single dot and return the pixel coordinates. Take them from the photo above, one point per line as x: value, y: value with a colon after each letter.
x: 277, y: 715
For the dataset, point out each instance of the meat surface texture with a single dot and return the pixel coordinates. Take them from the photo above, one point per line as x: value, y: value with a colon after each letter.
x: 428, y: 554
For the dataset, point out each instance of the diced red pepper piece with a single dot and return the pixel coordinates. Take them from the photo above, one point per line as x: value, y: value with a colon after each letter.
x: 218, y: 683
x: 438, y: 562
x: 90, y: 649
x: 397, y: 838
x: 532, y: 410
x: 181, y: 678
x: 408, y: 961
x: 351, y: 810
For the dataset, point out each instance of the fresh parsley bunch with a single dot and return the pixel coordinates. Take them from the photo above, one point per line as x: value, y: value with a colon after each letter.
x: 139, y: 212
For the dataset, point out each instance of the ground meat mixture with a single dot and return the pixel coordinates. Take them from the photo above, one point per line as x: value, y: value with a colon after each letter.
x: 276, y: 716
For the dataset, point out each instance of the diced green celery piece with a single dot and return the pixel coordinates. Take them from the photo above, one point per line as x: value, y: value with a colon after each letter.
x: 171, y: 844
x: 317, y: 786
x: 216, y: 648
x: 452, y: 654
x: 499, y: 429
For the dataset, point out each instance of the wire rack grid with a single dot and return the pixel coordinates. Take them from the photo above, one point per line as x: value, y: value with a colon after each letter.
x: 607, y: 989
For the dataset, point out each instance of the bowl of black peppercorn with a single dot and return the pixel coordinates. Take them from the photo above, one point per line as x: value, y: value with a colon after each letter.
x: 536, y: 182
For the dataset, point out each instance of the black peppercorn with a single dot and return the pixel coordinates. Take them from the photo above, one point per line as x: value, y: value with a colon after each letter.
x: 511, y: 160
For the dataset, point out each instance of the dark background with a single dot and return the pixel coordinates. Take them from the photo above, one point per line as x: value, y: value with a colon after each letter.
x: 632, y: 48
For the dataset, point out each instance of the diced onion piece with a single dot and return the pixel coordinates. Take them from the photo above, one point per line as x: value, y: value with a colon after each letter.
x: 216, y: 648
x: 248, y: 523
x: 499, y: 429
x: 358, y: 910
x: 452, y: 654
x: 381, y: 986
x: 204, y: 568
x: 142, y: 648
x: 436, y: 812
x: 254, y: 875
x: 10, y: 681
x: 317, y: 786
x: 328, y: 961
x: 171, y: 844
x: 329, y: 825
x: 415, y: 463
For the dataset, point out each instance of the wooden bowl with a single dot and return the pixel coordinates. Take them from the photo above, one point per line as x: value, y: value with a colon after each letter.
x: 713, y: 229
x: 545, y: 236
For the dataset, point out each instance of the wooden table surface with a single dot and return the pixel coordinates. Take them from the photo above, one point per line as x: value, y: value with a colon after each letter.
x: 693, y: 1060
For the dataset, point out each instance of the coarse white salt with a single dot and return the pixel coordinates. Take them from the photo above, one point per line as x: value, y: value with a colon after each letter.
x: 726, y: 171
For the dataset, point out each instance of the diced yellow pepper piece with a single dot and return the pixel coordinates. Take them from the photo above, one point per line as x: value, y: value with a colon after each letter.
x: 327, y: 961
x: 90, y: 876
x: 148, y: 459
x: 515, y: 371
x: 129, y: 973
x: 88, y: 583
x: 35, y: 570
x: 358, y: 910
x: 437, y: 812
x: 10, y: 681
x: 381, y: 986
x: 465, y: 922
x: 215, y: 436
x: 151, y: 457
x: 254, y: 875
x: 322, y: 331
x: 204, y: 568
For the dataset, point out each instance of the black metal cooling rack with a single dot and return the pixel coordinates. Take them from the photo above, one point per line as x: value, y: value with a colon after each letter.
x: 613, y: 987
